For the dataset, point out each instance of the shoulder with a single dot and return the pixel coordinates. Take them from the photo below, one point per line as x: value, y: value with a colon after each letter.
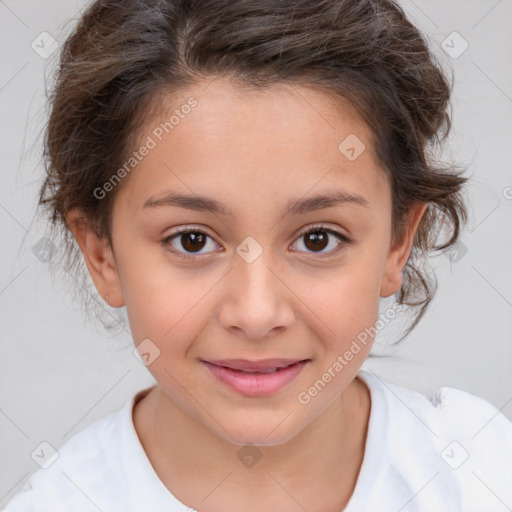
x: 451, y: 413
x: 450, y: 441
x: 447, y: 410
x: 87, y: 473
x: 476, y: 444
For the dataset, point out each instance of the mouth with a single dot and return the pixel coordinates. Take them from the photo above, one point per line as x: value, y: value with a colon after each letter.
x: 264, y: 365
x: 256, y: 378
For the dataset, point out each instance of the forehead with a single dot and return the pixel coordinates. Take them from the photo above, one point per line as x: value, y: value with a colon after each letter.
x: 285, y: 111
x: 271, y: 143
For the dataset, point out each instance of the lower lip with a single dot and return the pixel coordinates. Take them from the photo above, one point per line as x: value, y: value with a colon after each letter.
x: 255, y: 384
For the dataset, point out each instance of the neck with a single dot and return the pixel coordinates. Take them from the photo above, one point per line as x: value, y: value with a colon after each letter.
x: 322, y: 462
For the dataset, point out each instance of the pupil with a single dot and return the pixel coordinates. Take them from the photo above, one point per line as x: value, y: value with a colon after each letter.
x: 318, y: 239
x: 198, y: 240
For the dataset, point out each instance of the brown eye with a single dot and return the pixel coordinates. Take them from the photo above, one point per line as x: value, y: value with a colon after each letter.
x: 188, y: 242
x: 193, y: 241
x: 318, y: 238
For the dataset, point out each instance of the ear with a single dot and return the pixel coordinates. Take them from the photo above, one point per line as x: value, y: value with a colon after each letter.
x: 99, y: 258
x: 399, y: 254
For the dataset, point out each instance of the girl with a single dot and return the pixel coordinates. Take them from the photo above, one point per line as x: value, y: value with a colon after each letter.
x: 291, y: 143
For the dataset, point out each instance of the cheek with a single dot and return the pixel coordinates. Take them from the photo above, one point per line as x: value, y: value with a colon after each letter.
x: 165, y: 307
x: 344, y: 297
x: 160, y: 298
x: 347, y: 301
x: 172, y: 316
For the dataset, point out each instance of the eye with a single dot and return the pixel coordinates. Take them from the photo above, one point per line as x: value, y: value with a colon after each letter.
x: 319, y: 237
x: 192, y: 240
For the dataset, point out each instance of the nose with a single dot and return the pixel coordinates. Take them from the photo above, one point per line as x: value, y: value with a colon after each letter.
x: 257, y: 302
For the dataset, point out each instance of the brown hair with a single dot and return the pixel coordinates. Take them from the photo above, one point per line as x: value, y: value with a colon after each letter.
x: 124, y: 55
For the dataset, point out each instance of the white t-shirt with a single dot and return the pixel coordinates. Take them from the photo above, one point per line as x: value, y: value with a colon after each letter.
x: 448, y: 452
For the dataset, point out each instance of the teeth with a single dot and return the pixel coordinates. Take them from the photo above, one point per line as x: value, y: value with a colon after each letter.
x: 272, y: 370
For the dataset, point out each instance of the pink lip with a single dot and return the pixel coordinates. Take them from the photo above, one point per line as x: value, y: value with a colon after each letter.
x: 256, y: 384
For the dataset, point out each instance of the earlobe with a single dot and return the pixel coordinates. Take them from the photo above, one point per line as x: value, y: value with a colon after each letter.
x: 98, y: 256
x: 399, y: 254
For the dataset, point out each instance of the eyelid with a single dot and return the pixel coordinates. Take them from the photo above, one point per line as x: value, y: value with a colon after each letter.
x: 324, y: 227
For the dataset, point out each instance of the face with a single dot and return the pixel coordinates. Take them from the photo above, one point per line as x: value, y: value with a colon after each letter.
x: 265, y: 272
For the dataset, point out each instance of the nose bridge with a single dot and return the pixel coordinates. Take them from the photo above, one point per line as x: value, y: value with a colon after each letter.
x: 257, y: 301
x: 256, y: 276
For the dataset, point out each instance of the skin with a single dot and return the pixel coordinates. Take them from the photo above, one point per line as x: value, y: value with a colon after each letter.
x: 252, y: 151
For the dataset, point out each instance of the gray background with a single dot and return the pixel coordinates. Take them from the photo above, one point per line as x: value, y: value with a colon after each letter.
x: 58, y: 374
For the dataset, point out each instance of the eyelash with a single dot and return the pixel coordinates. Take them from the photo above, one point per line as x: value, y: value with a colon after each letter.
x: 318, y: 227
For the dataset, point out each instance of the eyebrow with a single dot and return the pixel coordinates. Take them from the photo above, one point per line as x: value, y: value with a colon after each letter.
x: 293, y: 207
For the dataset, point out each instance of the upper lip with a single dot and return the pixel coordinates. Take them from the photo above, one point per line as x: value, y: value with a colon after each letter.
x: 245, y: 364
